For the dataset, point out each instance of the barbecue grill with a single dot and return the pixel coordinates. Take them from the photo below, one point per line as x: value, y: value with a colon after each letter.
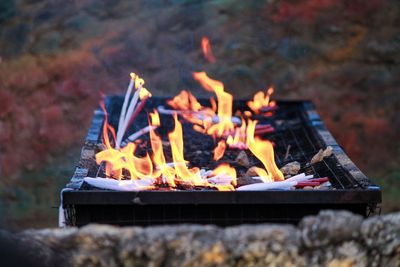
x: 297, y: 125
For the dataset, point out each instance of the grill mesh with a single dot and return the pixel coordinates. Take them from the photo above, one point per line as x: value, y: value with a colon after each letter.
x: 296, y: 132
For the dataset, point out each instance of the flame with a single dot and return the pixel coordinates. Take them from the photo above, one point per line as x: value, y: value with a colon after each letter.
x: 123, y: 159
x: 144, y: 93
x: 219, y: 150
x: 225, y: 176
x: 216, y: 121
x: 107, y: 127
x: 224, y: 104
x: 239, y: 139
x: 185, y: 101
x: 264, y: 151
x: 168, y: 173
x: 191, y: 176
x: 139, y: 168
x: 206, y: 47
x: 191, y: 109
x: 138, y: 82
x: 261, y: 100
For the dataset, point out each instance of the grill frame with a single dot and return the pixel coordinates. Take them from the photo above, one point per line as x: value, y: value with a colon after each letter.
x: 83, y: 206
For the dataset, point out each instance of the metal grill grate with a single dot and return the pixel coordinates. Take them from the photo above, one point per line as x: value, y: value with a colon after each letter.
x: 297, y: 126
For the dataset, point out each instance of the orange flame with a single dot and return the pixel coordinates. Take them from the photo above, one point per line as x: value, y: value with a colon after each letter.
x: 261, y: 100
x: 239, y: 139
x: 191, y: 176
x: 124, y: 159
x: 139, y: 168
x: 191, y: 110
x: 167, y: 172
x: 227, y: 174
x: 107, y: 127
x: 264, y: 151
x: 219, y: 150
x: 207, y: 52
x: 224, y: 104
x: 118, y: 160
x: 185, y: 101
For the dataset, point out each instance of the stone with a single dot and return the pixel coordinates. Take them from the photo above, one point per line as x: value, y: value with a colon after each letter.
x: 251, y: 172
x: 242, y: 159
x: 382, y: 233
x: 334, y: 238
x: 291, y: 168
x: 329, y: 227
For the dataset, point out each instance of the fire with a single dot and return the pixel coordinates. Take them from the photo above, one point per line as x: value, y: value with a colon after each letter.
x: 264, y: 151
x: 219, y: 150
x: 225, y: 176
x: 238, y: 139
x: 190, y: 109
x: 149, y: 170
x: 191, y: 176
x: 185, y: 101
x: 261, y: 100
x: 206, y: 47
x: 167, y: 172
x: 225, y: 100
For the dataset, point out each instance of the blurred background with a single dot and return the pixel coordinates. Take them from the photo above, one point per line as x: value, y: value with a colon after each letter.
x: 56, y: 57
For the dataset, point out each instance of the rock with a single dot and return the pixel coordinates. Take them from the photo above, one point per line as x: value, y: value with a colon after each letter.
x: 251, y: 172
x: 291, y: 168
x: 329, y: 227
x: 244, y: 180
x: 331, y: 238
x: 242, y: 159
x: 382, y: 233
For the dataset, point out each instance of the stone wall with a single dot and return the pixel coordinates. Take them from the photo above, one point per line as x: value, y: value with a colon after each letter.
x: 329, y: 239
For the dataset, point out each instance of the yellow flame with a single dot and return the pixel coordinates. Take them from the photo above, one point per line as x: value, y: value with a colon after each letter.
x: 191, y: 176
x: 261, y: 100
x: 224, y: 169
x: 264, y: 151
x: 224, y: 104
x: 219, y: 150
x: 158, y: 154
x: 144, y: 93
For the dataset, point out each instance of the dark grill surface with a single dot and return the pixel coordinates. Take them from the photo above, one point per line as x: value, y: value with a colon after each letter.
x: 298, y: 128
